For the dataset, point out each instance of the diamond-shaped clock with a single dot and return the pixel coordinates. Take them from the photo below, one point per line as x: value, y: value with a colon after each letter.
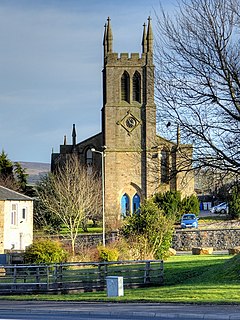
x: 129, y: 122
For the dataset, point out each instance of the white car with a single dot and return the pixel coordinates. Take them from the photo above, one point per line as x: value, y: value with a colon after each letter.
x: 220, y: 208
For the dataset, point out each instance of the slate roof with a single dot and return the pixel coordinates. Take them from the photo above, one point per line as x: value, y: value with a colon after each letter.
x: 7, y: 194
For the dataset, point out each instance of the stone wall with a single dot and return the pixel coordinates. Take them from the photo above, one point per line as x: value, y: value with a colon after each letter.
x: 183, y: 240
x: 219, y: 239
x: 83, y: 240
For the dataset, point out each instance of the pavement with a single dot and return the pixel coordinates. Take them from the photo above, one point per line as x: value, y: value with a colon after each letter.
x: 125, y: 310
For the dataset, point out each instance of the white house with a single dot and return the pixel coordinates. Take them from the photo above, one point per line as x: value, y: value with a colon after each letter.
x: 16, y: 220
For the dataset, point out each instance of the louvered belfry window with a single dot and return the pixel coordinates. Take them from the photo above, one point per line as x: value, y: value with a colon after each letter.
x: 136, y: 87
x: 125, y: 87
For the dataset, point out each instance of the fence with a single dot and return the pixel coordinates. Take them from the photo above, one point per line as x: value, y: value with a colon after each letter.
x: 78, y: 277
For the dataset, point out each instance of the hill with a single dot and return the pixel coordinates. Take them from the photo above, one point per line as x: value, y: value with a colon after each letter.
x: 35, y: 170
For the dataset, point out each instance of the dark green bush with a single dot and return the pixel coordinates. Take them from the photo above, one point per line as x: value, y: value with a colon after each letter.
x: 190, y: 204
x: 45, y: 251
x: 234, y: 203
x: 170, y: 203
x: 173, y: 206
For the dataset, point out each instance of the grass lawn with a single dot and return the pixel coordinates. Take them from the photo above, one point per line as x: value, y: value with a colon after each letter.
x: 188, y: 279
x: 90, y: 229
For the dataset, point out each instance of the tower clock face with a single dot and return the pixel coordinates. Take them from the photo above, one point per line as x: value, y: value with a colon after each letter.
x: 130, y: 122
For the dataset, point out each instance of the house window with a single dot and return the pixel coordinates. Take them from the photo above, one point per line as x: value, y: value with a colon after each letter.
x: 164, y: 166
x: 125, y: 87
x: 24, y: 213
x: 125, y: 205
x: 14, y: 215
x: 137, y: 87
x: 136, y: 203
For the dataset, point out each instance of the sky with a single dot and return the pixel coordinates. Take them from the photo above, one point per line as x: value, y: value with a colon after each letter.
x: 51, y: 59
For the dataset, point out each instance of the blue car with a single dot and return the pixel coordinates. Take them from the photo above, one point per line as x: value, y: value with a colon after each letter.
x: 189, y: 220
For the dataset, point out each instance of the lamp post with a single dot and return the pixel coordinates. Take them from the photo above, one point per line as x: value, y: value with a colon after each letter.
x: 103, y: 154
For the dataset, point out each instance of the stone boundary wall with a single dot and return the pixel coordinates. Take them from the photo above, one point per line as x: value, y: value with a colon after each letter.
x: 219, y: 239
x: 183, y: 240
x: 83, y: 240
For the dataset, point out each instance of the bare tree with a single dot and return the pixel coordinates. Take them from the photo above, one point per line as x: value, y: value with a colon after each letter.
x: 72, y: 194
x: 198, y: 79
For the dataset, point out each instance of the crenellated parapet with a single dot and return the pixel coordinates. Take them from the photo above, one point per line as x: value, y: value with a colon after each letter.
x: 125, y: 59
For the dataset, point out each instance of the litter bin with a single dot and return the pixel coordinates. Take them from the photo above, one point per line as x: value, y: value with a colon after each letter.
x: 114, y: 286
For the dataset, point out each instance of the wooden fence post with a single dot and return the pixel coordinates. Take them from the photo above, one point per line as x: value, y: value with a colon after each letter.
x: 37, y: 278
x: 60, y: 277
x: 161, y: 272
x: 147, y: 273
x: 48, y: 278
x: 102, y: 273
x: 15, y: 274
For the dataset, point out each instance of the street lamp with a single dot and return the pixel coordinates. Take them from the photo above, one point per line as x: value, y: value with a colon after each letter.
x: 103, y: 154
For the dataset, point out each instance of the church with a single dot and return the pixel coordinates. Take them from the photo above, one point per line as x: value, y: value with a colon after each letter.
x: 135, y: 162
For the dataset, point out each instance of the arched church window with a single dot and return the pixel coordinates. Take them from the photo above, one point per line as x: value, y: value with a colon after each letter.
x: 125, y: 205
x: 136, y: 87
x: 89, y: 157
x: 89, y: 160
x: 136, y: 203
x: 125, y: 87
x: 164, y: 166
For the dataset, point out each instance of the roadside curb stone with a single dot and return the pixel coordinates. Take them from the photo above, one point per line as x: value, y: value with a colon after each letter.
x: 139, y: 310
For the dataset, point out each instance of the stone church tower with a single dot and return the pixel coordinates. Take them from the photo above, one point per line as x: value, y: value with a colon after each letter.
x: 137, y: 162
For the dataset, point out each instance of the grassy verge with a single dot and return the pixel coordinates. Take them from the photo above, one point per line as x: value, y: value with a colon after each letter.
x: 90, y: 230
x: 188, y: 279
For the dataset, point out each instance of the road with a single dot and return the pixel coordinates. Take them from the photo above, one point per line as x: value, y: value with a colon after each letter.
x: 55, y: 310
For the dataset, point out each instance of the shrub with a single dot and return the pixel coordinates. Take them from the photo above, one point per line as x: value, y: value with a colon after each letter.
x: 234, y: 203
x: 45, y: 251
x: 190, y: 204
x: 150, y: 231
x: 107, y: 254
x: 172, y: 205
x: 123, y: 248
x: 86, y: 254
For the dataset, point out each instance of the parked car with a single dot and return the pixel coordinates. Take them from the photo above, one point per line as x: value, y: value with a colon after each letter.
x: 189, y: 220
x: 220, y: 208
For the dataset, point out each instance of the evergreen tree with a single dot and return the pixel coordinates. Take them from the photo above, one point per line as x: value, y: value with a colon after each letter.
x: 170, y: 203
x: 190, y: 204
x: 12, y: 175
x: 234, y: 203
x: 6, y: 167
x: 173, y: 206
x: 21, y: 176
